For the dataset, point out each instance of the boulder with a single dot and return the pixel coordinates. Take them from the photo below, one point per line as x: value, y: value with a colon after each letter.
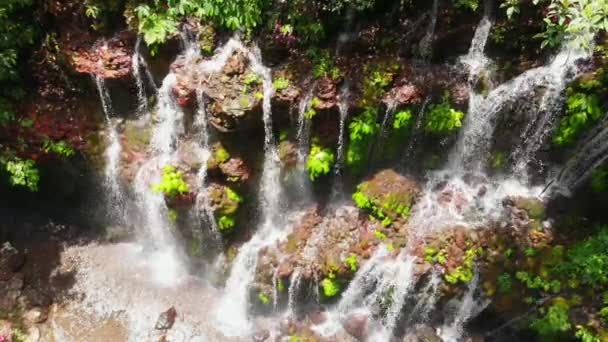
x: 11, y: 261
x: 422, y: 333
x: 166, y: 319
x: 36, y: 315
x: 106, y: 58
x: 235, y: 170
x: 356, y: 324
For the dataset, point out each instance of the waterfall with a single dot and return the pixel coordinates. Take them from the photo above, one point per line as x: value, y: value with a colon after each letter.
x: 415, y: 135
x: 231, y: 314
x: 542, y: 120
x: 468, y: 308
x: 426, y: 301
x: 137, y: 64
x: 425, y: 47
x: 112, y: 154
x: 202, y: 199
x: 293, y: 292
x: 591, y: 154
x: 343, y: 107
x: 385, y: 128
x: 474, y: 134
x: 304, y: 124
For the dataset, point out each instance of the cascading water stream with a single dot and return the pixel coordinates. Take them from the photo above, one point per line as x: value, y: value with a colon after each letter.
x: 471, y: 138
x: 592, y: 153
x: 425, y: 47
x: 415, y: 133
x: 343, y: 106
x: 469, y: 307
x: 232, y: 315
x: 112, y: 154
x: 385, y: 128
x: 138, y: 63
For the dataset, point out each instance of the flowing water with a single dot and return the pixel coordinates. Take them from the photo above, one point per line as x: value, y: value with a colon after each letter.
x: 591, y: 154
x: 115, y: 197
x: 232, y: 313
x: 425, y: 48
x: 138, y: 62
x: 410, y: 151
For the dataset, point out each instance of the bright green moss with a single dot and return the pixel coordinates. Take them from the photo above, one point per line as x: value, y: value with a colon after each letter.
x: 172, y: 182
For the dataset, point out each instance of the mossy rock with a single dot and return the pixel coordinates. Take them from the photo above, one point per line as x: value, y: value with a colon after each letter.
x: 389, y: 193
x: 224, y: 200
x: 533, y: 206
x: 137, y: 137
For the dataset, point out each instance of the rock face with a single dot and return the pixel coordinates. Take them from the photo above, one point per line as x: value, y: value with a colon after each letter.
x: 356, y: 324
x: 166, y: 319
x: 108, y: 59
x: 11, y: 261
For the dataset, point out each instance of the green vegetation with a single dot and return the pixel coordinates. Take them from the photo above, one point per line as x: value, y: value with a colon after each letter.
x: 172, y: 182
x: 323, y: 65
x: 377, y: 78
x: 554, y: 320
x: 464, y: 273
x: 352, y: 262
x: 319, y: 162
x: 505, y: 283
x: 22, y: 173
x: 432, y: 256
x: 582, y: 111
x: 362, y: 130
x: 467, y: 4
x: 264, y: 298
x: 330, y: 286
x: 442, y: 118
x: 226, y: 213
x: 379, y: 208
x: 60, y: 148
x: 399, y: 132
x: 280, y: 84
x: 221, y: 155
x: 312, y: 108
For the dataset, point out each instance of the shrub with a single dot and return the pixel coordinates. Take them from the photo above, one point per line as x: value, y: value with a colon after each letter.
x: 582, y: 111
x: 330, y: 286
x: 362, y: 130
x: 587, y: 261
x: 312, y: 108
x: 554, y: 321
x: 320, y: 161
x: 505, y: 283
x: 172, y: 182
x: 464, y: 273
x: 23, y: 173
x: 280, y: 83
x: 377, y: 77
x: 442, y: 118
x: 323, y: 65
x: 60, y: 148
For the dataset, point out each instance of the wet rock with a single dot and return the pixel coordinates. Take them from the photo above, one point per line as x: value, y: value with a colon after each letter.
x: 261, y: 336
x: 422, y: 333
x: 107, y: 58
x: 221, y: 200
x: 356, y: 324
x: 166, y: 319
x: 288, y: 154
x: 236, y: 65
x: 36, y: 315
x: 235, y: 170
x: 406, y: 94
x: 390, y: 191
x: 534, y: 207
x: 37, y: 297
x: 11, y: 261
x: 317, y: 317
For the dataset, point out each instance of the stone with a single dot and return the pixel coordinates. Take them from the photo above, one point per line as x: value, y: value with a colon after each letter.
x: 166, y: 319
x: 356, y: 325
x: 406, y: 94
x: 33, y: 334
x: 36, y: 315
x: 235, y: 170
x: 261, y: 335
x: 317, y: 317
x: 422, y: 333
x: 11, y: 261
x: 36, y: 297
x: 6, y: 329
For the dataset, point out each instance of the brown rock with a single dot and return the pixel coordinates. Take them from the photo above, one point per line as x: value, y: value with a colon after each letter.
x: 356, y: 325
x: 166, y: 319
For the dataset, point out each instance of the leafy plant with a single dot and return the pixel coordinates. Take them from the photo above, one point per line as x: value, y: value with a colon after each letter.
x: 352, y: 262
x: 432, y: 255
x: 23, y: 173
x: 555, y: 320
x: 226, y: 222
x: 264, y: 298
x: 221, y: 155
x: 585, y: 335
x: 323, y: 65
x: 599, y: 180
x: 377, y: 78
x: 362, y: 131
x: 319, y: 163
x: 280, y: 84
x: 330, y: 286
x: 60, y: 148
x: 582, y: 111
x: 442, y: 118
x: 172, y: 182
x: 312, y: 108
x: 467, y: 4
x: 464, y: 273
x: 505, y: 283
x: 587, y: 261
